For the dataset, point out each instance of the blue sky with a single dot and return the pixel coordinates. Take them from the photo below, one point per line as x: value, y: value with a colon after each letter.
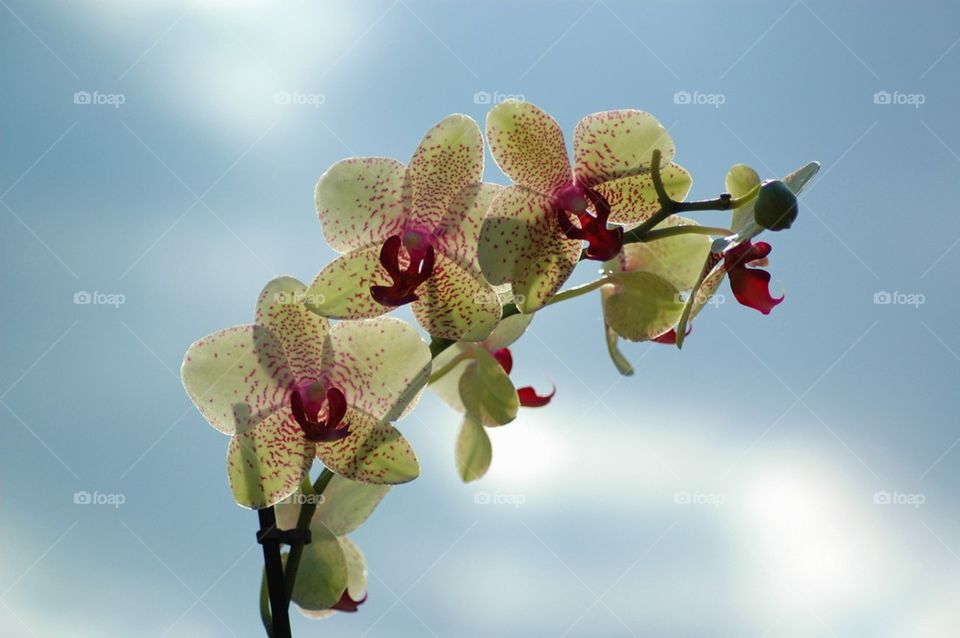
x: 187, y: 183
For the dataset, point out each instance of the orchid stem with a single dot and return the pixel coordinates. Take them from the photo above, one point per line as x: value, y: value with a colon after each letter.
x: 511, y: 309
x: 273, y: 573
x: 670, y: 207
x: 687, y: 229
x: 265, y: 616
x: 457, y: 360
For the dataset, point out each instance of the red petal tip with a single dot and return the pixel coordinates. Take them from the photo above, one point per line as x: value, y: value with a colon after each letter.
x: 530, y: 399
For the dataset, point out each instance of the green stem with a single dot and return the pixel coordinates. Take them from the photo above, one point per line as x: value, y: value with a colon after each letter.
x: 511, y: 309
x: 670, y: 207
x: 457, y: 360
x: 303, y: 524
x: 687, y: 229
x: 265, y: 616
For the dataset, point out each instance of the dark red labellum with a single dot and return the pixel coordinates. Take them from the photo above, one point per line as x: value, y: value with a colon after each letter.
x: 670, y: 337
x: 530, y: 399
x: 751, y: 286
x: 330, y: 429
x: 405, y: 282
x: 348, y: 604
x: 603, y: 243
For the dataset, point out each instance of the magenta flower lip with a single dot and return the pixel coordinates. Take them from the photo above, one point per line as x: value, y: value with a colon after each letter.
x: 421, y: 258
x: 348, y: 604
x: 306, y: 413
x: 750, y: 285
x: 603, y: 242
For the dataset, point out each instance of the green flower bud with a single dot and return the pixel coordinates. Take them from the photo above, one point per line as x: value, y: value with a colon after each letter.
x: 776, y: 205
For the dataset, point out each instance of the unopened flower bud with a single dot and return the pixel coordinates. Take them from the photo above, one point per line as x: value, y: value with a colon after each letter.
x: 776, y: 206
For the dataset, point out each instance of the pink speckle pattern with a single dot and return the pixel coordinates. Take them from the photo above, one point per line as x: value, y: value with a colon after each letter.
x: 342, y: 289
x: 266, y: 464
x: 528, y: 146
x: 236, y: 376
x: 456, y: 300
x: 615, y: 144
x: 449, y: 158
x: 361, y: 201
x: 381, y: 366
x: 633, y: 199
x: 521, y: 243
x: 458, y: 233
x: 375, y: 452
x: 442, y: 199
x: 281, y: 310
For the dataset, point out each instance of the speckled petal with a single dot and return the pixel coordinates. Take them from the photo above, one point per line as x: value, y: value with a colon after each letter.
x: 342, y: 289
x: 457, y: 303
x: 282, y: 310
x: 236, y: 376
x: 459, y: 231
x: 633, y: 199
x: 521, y: 243
x: 373, y: 452
x: 381, y: 365
x: 528, y: 146
x: 449, y: 158
x: 360, y: 201
x: 615, y: 144
x: 266, y: 464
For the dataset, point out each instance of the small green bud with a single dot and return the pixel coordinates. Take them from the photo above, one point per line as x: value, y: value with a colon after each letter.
x: 776, y: 205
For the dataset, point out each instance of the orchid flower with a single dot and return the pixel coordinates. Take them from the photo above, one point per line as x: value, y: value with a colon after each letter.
x: 290, y: 387
x: 409, y: 234
x: 533, y: 235
x: 332, y: 574
x: 643, y: 299
x: 473, y: 379
x: 738, y: 256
